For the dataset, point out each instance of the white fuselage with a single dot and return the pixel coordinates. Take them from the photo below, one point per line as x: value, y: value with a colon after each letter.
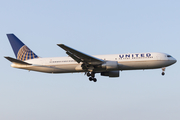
x: 129, y: 61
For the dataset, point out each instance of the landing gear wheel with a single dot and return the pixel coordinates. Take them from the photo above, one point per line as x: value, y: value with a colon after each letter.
x: 88, y: 74
x: 163, y: 73
x: 90, y: 78
x: 95, y: 80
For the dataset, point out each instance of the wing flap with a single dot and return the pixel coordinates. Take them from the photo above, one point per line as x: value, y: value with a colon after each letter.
x: 74, y: 57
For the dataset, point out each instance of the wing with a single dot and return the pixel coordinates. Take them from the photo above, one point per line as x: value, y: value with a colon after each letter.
x: 17, y: 61
x: 80, y: 57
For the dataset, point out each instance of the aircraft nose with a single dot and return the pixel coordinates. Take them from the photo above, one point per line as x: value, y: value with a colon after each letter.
x: 174, y: 60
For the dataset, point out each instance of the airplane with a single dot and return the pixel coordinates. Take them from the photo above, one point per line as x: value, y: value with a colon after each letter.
x: 106, y: 65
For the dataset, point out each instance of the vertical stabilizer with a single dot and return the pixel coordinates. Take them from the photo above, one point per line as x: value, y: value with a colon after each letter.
x: 21, y: 51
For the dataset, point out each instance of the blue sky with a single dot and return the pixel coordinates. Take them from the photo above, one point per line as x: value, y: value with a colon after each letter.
x: 94, y: 27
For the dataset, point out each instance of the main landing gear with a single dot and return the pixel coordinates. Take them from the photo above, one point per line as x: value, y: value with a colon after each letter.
x: 91, y: 76
x: 163, y: 73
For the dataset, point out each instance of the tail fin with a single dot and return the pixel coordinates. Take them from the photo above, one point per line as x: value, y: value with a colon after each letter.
x: 21, y: 51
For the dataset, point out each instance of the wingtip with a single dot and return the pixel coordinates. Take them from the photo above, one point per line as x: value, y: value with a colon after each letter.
x: 60, y: 44
x: 5, y: 56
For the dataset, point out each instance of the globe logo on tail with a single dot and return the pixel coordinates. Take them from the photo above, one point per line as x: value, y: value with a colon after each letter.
x: 25, y: 53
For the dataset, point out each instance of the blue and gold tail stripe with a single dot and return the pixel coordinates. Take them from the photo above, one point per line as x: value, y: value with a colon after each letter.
x: 25, y: 53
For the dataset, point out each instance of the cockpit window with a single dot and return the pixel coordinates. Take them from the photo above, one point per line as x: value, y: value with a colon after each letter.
x: 169, y: 56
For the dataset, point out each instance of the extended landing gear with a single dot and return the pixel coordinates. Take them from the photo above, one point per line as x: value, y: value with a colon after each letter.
x: 92, y: 79
x: 163, y: 73
x: 91, y: 76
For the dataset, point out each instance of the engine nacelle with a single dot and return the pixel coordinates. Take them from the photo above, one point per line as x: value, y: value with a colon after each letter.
x: 110, y: 65
x: 110, y: 73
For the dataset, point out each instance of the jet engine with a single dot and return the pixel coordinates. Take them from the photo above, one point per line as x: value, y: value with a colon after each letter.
x: 110, y: 65
x: 110, y: 73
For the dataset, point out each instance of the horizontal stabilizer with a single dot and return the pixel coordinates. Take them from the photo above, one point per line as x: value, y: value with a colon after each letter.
x: 17, y: 61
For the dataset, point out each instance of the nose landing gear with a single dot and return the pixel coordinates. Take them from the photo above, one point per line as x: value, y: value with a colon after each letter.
x: 163, y: 73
